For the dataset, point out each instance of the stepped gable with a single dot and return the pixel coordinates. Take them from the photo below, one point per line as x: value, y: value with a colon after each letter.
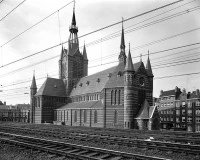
x: 93, y: 83
x: 52, y: 87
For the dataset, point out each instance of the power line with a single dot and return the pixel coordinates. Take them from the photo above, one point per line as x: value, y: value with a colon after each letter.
x: 178, y: 75
x: 11, y: 10
x: 111, y: 25
x: 36, y: 24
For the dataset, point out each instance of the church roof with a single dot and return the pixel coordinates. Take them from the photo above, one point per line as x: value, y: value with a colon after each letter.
x: 52, y: 87
x: 82, y: 105
x: 109, y: 78
x: 33, y: 85
x: 129, y: 63
x: 93, y: 83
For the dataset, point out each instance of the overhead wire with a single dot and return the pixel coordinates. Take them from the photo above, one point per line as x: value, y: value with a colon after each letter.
x: 108, y: 26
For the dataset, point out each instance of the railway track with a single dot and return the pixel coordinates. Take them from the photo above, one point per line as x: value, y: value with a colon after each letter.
x: 184, y: 138
x: 120, y: 141
x: 69, y: 150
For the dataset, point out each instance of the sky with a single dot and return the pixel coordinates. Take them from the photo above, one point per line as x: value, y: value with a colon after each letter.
x: 171, y: 27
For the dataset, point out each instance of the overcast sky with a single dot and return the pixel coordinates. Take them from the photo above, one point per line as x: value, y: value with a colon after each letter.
x: 15, y: 79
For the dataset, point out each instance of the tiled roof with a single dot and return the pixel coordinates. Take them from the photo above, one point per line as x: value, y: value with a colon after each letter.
x: 168, y: 93
x: 3, y: 107
x: 82, y: 105
x: 23, y: 106
x: 94, y: 86
x: 144, y: 112
x: 52, y: 87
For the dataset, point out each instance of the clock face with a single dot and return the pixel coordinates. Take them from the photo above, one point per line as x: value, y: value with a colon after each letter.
x: 141, y: 81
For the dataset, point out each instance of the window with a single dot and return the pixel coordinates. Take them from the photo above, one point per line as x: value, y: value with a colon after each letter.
x: 189, y: 119
x: 177, y: 119
x: 111, y: 97
x: 115, y: 118
x: 189, y: 128
x: 171, y: 119
x: 85, y: 116
x: 197, y: 103
x: 183, y: 104
x: 189, y: 104
x: 177, y: 112
x: 172, y: 103
x: 115, y: 96
x: 95, y: 116
x: 189, y: 111
x: 75, y: 116
x: 177, y: 104
x: 198, y: 119
x: 183, y: 119
x: 197, y: 111
x: 197, y: 128
x: 119, y: 96
x: 183, y: 111
x: 67, y: 116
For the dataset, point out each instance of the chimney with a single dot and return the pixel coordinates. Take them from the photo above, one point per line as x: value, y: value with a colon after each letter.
x: 197, y: 91
x: 4, y: 102
x: 161, y: 92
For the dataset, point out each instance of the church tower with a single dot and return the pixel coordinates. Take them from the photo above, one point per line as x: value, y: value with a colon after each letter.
x: 33, y: 91
x: 73, y: 65
x: 122, y: 55
x: 128, y: 93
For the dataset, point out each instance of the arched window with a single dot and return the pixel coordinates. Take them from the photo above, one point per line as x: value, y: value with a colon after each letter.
x: 85, y: 116
x: 75, y: 116
x: 95, y: 116
x: 119, y: 97
x: 115, y: 117
x: 111, y: 97
x: 115, y: 96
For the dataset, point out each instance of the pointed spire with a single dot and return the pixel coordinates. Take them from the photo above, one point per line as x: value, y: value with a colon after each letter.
x: 122, y: 46
x: 129, y: 63
x: 33, y: 85
x: 73, y: 17
x: 62, y: 52
x: 141, y: 57
x: 84, y: 52
x: 148, y: 66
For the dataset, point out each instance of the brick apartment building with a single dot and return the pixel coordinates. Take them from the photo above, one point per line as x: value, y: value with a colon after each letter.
x: 180, y: 110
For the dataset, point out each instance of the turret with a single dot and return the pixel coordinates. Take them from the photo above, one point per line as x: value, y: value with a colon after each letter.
x: 122, y: 55
x: 33, y: 91
x: 60, y: 63
x: 85, y: 63
x: 128, y: 93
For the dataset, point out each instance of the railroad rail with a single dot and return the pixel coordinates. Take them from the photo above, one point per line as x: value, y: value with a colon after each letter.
x: 189, y: 139
x: 121, y: 141
x: 70, y: 150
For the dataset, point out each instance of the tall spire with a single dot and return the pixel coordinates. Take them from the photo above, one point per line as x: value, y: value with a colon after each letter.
x: 73, y: 17
x: 122, y: 46
x: 84, y: 53
x: 33, y: 85
x: 122, y: 55
x: 129, y: 63
x: 148, y: 66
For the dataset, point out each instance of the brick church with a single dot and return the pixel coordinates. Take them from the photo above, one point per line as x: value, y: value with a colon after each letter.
x: 118, y: 97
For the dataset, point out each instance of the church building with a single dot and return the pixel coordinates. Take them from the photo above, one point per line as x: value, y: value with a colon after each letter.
x: 118, y: 97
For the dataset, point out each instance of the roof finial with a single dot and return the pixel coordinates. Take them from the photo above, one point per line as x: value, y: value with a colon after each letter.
x: 33, y: 72
x: 129, y: 46
x: 141, y: 57
x: 47, y: 75
x: 122, y: 22
x: 148, y: 53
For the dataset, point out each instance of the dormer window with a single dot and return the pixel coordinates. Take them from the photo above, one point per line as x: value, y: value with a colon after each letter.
x: 98, y: 80
x: 74, y: 86
x: 119, y: 74
x: 55, y: 86
x: 81, y: 84
x: 109, y: 75
x: 88, y: 82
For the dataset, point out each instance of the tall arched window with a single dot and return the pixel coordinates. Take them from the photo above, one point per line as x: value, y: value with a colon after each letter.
x: 111, y: 97
x: 95, y: 116
x: 115, y: 117
x: 85, y: 116
x: 75, y: 116
x: 119, y: 97
x: 115, y: 96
